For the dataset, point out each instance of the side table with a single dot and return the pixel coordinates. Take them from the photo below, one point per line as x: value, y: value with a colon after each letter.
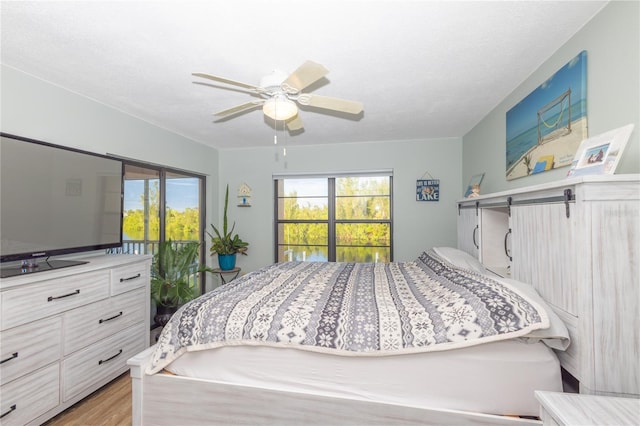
x: 226, y: 273
x: 567, y: 409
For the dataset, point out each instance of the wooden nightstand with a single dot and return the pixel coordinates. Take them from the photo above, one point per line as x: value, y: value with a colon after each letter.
x: 568, y: 409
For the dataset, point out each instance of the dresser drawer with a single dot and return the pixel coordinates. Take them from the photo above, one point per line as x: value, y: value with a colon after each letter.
x: 88, y: 324
x: 32, y: 302
x: 28, y: 347
x: 129, y: 277
x: 30, y: 396
x: 81, y: 370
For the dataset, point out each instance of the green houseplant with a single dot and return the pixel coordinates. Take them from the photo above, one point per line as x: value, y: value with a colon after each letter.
x: 171, y: 277
x: 224, y: 243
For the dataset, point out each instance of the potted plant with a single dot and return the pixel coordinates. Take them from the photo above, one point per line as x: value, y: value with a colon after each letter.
x: 172, y: 284
x: 225, y: 244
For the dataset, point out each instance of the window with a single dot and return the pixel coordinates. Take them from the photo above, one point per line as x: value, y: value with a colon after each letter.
x: 336, y: 218
x: 162, y: 204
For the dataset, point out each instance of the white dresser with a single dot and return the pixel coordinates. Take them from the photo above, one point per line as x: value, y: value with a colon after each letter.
x: 577, y: 241
x: 65, y: 333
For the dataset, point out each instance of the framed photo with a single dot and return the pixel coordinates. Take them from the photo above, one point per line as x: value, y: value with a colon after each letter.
x: 473, y: 189
x: 428, y: 190
x: 599, y: 155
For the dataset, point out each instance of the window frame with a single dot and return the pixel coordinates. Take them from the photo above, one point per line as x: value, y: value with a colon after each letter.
x: 331, y: 220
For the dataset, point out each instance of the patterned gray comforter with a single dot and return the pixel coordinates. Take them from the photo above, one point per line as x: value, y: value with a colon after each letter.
x: 357, y: 309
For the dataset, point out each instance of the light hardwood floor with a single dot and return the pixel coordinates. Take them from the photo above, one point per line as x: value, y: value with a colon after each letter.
x: 108, y: 406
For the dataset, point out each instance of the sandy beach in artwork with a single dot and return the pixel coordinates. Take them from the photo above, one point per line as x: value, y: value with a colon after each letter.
x: 558, y: 145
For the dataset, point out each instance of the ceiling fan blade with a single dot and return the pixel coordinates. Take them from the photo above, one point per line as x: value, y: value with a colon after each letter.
x: 239, y: 108
x: 335, y: 104
x: 295, y: 123
x: 228, y: 81
x: 306, y: 74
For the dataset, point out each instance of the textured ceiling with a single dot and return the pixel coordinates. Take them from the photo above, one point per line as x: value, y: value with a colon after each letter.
x: 423, y: 69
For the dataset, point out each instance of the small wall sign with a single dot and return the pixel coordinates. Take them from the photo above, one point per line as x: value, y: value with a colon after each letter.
x: 244, y: 195
x: 428, y: 190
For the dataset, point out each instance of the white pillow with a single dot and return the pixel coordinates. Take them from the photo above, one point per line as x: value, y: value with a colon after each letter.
x: 557, y: 335
x: 461, y: 259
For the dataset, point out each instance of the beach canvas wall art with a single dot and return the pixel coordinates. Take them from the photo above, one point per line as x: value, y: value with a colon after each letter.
x: 545, y: 129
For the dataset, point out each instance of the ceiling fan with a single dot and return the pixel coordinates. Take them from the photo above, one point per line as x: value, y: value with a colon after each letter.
x: 280, y: 93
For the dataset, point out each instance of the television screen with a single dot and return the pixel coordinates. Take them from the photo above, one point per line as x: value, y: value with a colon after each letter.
x: 56, y: 200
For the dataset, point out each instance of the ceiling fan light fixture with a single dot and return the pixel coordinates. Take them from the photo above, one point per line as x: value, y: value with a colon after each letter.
x: 279, y: 95
x: 280, y: 108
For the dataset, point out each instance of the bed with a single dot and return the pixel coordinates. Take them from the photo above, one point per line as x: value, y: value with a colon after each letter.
x: 435, y: 341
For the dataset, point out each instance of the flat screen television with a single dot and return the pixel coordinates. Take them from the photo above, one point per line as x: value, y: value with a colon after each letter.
x: 55, y: 201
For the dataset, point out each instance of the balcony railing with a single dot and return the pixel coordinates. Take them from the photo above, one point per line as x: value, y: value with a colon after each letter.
x: 142, y: 246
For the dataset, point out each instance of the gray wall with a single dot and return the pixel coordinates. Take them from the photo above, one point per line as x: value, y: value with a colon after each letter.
x: 39, y: 110
x: 612, y: 42
x: 417, y: 225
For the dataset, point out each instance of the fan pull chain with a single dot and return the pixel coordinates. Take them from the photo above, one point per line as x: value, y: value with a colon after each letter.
x: 275, y: 122
x: 284, y: 131
x: 275, y: 136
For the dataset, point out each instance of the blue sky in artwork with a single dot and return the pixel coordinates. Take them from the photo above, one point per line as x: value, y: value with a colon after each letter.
x: 523, y: 116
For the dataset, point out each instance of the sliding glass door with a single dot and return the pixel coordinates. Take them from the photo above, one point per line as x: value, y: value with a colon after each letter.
x: 183, y: 207
x: 162, y: 204
x: 141, y: 222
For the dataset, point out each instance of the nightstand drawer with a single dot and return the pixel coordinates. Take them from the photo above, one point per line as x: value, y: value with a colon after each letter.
x: 30, y: 396
x: 29, y: 347
x: 126, y: 278
x: 32, y: 302
x: 94, y: 322
x: 88, y: 366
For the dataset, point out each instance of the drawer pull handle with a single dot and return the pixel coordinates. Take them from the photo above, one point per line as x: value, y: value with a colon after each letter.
x: 110, y: 318
x: 102, y: 361
x: 13, y: 355
x: 63, y: 296
x: 11, y: 409
x: 130, y: 278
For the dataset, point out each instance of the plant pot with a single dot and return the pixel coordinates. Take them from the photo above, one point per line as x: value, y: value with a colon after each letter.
x: 227, y: 261
x: 164, y: 314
